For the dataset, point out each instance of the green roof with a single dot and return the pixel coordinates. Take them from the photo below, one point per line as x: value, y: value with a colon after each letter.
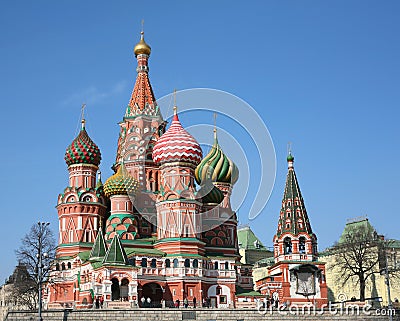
x: 248, y: 240
x: 357, y: 225
x: 132, y: 251
x: 84, y: 256
x: 244, y: 292
x: 116, y: 254
x: 99, y: 248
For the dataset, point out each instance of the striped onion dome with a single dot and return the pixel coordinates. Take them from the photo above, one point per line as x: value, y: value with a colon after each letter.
x: 121, y: 183
x: 177, y: 145
x: 209, y: 193
x: 216, y: 166
x: 82, y: 150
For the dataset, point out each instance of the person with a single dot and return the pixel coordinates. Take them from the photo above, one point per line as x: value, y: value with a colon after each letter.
x: 97, y: 303
x: 177, y: 303
x: 185, y: 303
x: 143, y: 300
x: 148, y: 302
x: 101, y: 302
x: 194, y: 302
x: 204, y: 302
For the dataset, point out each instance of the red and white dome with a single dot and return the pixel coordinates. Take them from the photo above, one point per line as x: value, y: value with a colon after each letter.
x: 177, y: 145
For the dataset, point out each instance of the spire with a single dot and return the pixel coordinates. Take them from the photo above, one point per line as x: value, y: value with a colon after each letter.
x: 293, y: 218
x: 142, y: 99
x: 116, y: 254
x: 83, y: 121
x: 99, y: 248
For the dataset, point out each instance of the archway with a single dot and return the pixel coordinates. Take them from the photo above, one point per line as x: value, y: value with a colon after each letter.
x: 124, y: 289
x: 115, y: 294
x: 154, y: 292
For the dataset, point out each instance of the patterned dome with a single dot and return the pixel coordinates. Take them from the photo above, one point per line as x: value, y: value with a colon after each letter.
x: 82, y: 150
x: 209, y: 193
x: 121, y: 183
x: 217, y: 166
x: 177, y: 145
x: 142, y: 47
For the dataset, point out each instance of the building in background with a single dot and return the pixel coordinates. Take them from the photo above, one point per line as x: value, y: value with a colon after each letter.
x: 18, y: 292
x: 376, y: 288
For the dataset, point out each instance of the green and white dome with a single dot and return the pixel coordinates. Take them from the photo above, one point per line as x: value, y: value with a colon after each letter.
x: 216, y: 166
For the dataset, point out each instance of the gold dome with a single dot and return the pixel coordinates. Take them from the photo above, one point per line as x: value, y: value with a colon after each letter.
x: 142, y: 47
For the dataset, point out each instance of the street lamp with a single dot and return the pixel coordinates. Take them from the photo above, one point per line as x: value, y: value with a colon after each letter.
x: 42, y: 227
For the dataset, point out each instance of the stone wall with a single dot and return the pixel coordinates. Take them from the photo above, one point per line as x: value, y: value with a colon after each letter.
x: 187, y: 314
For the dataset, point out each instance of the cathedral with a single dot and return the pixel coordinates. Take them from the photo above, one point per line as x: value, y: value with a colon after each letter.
x: 161, y: 231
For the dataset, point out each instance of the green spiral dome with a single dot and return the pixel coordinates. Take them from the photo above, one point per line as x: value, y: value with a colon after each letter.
x: 209, y: 193
x: 121, y: 183
x: 217, y: 167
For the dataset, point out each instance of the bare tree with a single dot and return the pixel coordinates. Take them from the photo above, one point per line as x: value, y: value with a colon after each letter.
x: 357, y: 255
x: 36, y: 253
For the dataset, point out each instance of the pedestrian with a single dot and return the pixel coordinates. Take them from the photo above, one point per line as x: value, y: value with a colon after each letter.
x: 143, y: 300
x: 185, y: 303
x: 149, y: 302
x: 97, y: 302
x: 194, y: 302
x: 177, y: 303
x: 101, y: 301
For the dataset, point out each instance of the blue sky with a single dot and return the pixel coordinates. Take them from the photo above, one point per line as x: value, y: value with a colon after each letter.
x: 324, y: 75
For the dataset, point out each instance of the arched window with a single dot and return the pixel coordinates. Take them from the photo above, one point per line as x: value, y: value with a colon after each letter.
x: 69, y: 265
x: 153, y: 263
x: 187, y: 263
x: 167, y: 263
x: 175, y: 263
x: 57, y: 267
x: 63, y: 266
x: 144, y: 262
x: 195, y: 263
x: 287, y: 245
x: 302, y: 245
x: 215, y: 265
x: 226, y: 266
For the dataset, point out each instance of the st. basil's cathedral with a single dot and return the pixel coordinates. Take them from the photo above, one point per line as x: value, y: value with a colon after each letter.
x: 161, y: 228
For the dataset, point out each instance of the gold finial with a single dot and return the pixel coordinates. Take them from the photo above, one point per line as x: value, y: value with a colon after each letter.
x: 175, y: 107
x: 142, y: 47
x: 83, y: 115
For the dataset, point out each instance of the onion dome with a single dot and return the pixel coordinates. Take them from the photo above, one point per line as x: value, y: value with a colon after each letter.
x: 177, y: 145
x: 290, y: 157
x: 83, y: 150
x: 216, y: 166
x: 121, y: 183
x: 209, y: 193
x: 142, y: 47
